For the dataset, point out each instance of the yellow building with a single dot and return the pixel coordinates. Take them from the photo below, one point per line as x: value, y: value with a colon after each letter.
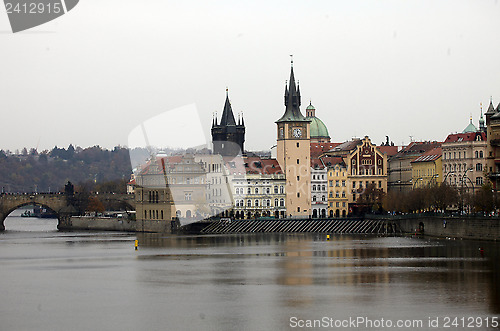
x: 427, y: 169
x: 365, y: 165
x: 338, y: 195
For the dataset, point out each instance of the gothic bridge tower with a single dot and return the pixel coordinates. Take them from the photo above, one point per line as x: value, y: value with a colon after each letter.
x: 228, y: 136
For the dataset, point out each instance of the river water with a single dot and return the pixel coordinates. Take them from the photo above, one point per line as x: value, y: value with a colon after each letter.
x: 53, y: 280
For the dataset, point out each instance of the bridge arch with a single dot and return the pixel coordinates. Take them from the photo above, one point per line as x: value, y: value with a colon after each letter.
x: 10, y: 202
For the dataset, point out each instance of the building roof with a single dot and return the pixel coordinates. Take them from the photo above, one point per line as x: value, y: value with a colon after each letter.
x: 348, y: 145
x: 470, y: 128
x: 431, y: 155
x: 458, y: 137
x: 252, y: 165
x: 227, y: 113
x: 318, y: 129
x: 319, y: 148
x: 292, y: 103
x: 491, y: 109
x: 389, y: 150
x: 416, y: 148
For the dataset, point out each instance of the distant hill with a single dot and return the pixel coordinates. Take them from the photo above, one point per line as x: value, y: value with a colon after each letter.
x: 30, y: 171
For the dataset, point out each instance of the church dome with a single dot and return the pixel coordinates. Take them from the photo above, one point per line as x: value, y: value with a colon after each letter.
x: 470, y: 128
x: 310, y: 107
x: 318, y: 128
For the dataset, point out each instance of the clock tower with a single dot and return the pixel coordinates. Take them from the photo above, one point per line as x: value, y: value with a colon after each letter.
x: 294, y: 154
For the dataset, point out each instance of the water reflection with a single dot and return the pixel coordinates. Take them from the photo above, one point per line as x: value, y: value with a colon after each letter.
x: 254, y: 282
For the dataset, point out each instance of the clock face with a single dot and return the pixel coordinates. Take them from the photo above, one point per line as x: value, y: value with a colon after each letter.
x: 297, y: 133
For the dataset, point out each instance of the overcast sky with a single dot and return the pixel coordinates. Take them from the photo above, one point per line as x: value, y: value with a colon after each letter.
x: 376, y: 68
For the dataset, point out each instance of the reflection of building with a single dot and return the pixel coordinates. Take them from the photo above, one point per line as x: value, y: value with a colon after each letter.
x: 427, y: 169
x: 399, y: 167
x: 228, y: 136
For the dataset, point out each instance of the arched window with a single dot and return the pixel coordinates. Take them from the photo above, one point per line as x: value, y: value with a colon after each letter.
x: 256, y: 190
x: 249, y: 190
x: 282, y: 202
x: 275, y: 189
x: 314, y: 198
x: 480, y: 154
x: 275, y: 202
x: 323, y: 198
x: 249, y: 203
x: 314, y: 187
x: 256, y: 203
x: 477, y: 154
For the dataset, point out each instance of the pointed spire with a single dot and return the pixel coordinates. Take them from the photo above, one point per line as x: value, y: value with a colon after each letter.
x: 227, y: 114
x: 292, y: 100
x: 242, y: 120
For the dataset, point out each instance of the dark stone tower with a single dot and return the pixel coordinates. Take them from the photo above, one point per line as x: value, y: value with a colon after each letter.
x: 228, y: 136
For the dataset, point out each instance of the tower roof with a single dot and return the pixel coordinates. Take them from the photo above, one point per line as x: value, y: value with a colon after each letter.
x: 292, y: 102
x: 227, y: 114
x: 491, y: 109
x: 470, y: 128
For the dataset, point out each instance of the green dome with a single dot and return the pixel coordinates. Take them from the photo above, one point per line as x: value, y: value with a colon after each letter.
x: 470, y: 128
x: 318, y: 128
x: 310, y: 107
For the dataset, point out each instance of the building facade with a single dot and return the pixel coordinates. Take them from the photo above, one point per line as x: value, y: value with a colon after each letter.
x: 427, y: 169
x: 293, y: 153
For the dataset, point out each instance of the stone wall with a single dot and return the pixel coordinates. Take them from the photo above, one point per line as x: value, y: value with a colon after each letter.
x: 99, y: 223
x: 480, y: 228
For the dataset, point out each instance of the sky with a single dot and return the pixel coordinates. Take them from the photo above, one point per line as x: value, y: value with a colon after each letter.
x: 404, y: 69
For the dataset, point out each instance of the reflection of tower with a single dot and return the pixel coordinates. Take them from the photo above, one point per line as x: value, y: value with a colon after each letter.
x: 228, y: 137
x: 294, y: 155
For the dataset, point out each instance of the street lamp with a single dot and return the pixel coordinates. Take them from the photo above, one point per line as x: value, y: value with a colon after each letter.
x: 416, y: 181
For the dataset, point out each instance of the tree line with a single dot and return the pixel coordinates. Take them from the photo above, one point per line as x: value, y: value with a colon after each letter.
x: 94, y: 168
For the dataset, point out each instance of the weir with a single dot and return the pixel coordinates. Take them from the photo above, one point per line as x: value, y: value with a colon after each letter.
x: 348, y: 226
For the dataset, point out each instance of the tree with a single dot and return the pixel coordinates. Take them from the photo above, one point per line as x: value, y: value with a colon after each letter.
x: 484, y: 200
x: 95, y: 205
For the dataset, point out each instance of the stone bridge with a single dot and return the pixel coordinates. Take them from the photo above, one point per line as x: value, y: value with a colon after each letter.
x: 56, y: 202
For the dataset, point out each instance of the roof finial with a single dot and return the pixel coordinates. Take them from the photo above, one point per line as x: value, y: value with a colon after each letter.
x: 291, y: 60
x: 227, y: 93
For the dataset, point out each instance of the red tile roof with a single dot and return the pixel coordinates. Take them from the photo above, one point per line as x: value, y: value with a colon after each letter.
x: 319, y: 148
x: 471, y: 136
x: 428, y: 156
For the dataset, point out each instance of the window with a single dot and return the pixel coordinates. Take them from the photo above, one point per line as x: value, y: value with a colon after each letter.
x: 330, y: 194
x: 256, y: 203
x: 323, y: 198
x: 337, y: 183
x: 337, y: 195
x: 331, y: 183
x: 187, y: 196
x: 256, y: 190
x: 479, y: 167
x: 249, y: 190
x: 343, y: 183
x: 297, y: 147
x: 314, y: 198
x: 343, y: 194
x: 298, y: 178
x: 337, y: 204
x: 343, y: 204
x: 354, y: 184
x: 282, y: 189
x: 298, y: 161
x: 481, y: 154
x: 276, y: 202
x: 298, y: 194
x: 379, y: 184
x: 249, y: 203
x: 477, y: 154
x: 479, y: 180
x: 298, y: 208
x: 282, y: 202
x: 268, y: 203
x: 314, y: 187
x: 275, y: 189
x: 323, y: 188
x: 268, y: 190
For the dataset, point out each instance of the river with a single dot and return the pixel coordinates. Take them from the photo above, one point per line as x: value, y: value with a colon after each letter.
x: 54, y: 280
